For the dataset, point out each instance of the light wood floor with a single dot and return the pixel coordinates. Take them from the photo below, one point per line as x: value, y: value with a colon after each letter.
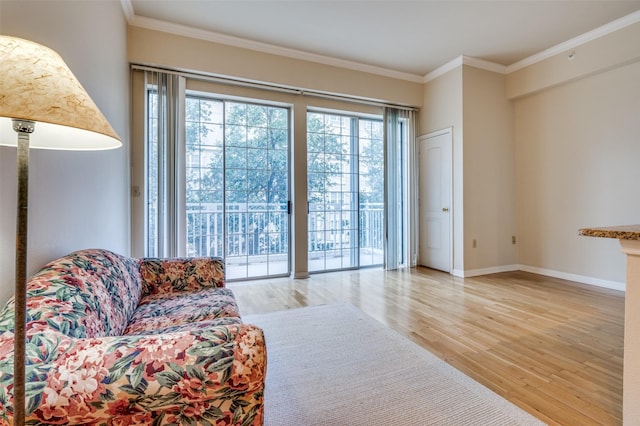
x: 552, y: 347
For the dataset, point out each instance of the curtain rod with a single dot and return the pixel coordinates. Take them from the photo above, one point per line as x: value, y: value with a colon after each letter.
x: 234, y: 81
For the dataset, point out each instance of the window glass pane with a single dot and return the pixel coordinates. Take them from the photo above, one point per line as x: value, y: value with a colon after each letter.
x: 278, y: 139
x: 235, y: 113
x: 277, y: 160
x: 152, y: 172
x: 278, y: 119
x: 211, y: 134
x: 235, y: 157
x: 257, y: 137
x: 371, y: 213
x: 235, y: 135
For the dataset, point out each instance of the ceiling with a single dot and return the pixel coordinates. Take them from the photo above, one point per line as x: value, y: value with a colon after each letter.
x: 411, y: 37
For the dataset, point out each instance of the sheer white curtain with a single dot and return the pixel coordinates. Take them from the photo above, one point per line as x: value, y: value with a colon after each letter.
x: 412, y: 190
x: 165, y: 177
x: 400, y: 188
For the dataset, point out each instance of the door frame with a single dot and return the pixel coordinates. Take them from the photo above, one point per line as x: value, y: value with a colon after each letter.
x: 445, y: 131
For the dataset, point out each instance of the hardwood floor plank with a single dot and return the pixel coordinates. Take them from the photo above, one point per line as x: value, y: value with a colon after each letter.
x: 552, y: 347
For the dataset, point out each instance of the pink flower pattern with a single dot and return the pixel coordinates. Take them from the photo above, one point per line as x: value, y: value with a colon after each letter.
x: 120, y: 341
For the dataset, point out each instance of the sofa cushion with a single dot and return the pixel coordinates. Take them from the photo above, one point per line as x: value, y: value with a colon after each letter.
x: 88, y: 293
x: 159, y: 311
x: 178, y: 275
x: 189, y: 327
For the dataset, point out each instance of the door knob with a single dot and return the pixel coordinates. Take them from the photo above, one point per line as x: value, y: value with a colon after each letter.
x: 445, y: 209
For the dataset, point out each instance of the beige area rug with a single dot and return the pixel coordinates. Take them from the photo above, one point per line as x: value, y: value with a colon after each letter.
x: 335, y: 365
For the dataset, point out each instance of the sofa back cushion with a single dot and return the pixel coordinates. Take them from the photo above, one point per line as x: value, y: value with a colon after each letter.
x: 177, y: 275
x: 88, y: 293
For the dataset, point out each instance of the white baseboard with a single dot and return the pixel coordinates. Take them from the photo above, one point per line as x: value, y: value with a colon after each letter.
x: 458, y: 273
x: 491, y: 270
x: 614, y: 285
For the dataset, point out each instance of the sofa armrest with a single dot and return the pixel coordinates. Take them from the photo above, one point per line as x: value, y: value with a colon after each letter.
x: 213, y: 376
x: 176, y: 275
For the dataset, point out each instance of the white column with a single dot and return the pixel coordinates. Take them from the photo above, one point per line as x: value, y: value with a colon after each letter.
x: 631, y: 378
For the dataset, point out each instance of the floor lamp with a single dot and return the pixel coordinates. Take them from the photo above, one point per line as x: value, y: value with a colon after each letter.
x: 43, y: 102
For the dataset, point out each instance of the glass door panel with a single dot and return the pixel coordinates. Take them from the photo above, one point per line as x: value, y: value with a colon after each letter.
x: 371, y: 191
x: 345, y: 169
x: 238, y: 185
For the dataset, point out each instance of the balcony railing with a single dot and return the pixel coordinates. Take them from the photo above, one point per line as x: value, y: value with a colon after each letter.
x: 259, y: 229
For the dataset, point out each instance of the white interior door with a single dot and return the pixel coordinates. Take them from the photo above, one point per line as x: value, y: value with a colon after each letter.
x: 435, y: 209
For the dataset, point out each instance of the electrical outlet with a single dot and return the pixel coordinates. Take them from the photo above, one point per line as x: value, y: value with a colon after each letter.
x: 135, y: 191
x: 475, y: 243
x: 513, y: 239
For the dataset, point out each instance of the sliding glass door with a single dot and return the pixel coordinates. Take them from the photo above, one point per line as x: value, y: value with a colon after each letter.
x: 345, y: 191
x: 238, y: 185
x: 236, y: 190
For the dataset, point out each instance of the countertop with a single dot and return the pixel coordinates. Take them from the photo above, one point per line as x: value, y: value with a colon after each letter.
x: 625, y: 232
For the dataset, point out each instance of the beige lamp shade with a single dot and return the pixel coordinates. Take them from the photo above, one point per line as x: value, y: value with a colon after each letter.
x: 36, y: 85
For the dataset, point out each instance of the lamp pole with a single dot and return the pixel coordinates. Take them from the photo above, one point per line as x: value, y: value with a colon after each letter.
x: 24, y: 128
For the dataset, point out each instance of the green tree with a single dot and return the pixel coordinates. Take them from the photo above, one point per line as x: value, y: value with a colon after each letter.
x: 256, y: 149
x: 248, y: 163
x: 325, y: 148
x: 204, y: 180
x: 371, y: 158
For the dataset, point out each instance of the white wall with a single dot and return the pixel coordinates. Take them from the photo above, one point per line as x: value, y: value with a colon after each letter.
x: 541, y: 152
x: 489, y: 173
x: 77, y: 199
x: 577, y: 140
x: 442, y: 108
x: 578, y: 156
x: 474, y: 103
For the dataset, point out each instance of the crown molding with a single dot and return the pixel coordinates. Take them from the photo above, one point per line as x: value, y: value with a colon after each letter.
x: 127, y: 8
x: 484, y: 65
x: 182, y: 30
x: 464, y: 60
x: 599, y: 32
x: 443, y: 69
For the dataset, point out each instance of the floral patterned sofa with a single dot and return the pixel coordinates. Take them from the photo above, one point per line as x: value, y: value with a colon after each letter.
x: 119, y: 341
